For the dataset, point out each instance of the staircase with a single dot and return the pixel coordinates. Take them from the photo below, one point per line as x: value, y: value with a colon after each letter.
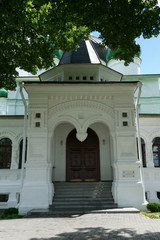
x: 80, y: 197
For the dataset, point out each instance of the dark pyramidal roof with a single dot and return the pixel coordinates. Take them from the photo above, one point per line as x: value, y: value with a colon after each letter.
x: 88, y: 52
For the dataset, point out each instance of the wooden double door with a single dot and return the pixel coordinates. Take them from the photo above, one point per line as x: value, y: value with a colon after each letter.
x: 83, y: 158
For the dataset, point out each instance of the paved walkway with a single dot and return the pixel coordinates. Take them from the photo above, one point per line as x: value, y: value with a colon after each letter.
x: 84, y: 227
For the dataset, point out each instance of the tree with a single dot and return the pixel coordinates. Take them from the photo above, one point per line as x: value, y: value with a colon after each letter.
x: 31, y: 30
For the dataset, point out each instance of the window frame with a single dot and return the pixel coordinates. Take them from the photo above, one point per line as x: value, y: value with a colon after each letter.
x: 6, y: 161
x: 155, y: 143
x: 20, y: 153
x: 143, y: 151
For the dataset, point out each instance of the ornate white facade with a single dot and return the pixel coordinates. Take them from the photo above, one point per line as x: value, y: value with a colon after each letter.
x: 81, y: 96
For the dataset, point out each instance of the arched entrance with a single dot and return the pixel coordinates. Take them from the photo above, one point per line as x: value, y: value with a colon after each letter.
x: 82, y: 158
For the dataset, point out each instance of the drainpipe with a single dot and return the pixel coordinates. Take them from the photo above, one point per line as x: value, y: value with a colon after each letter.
x: 24, y: 140
x: 139, y: 139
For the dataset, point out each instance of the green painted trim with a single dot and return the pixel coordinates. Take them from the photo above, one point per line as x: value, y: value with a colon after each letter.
x: 150, y: 114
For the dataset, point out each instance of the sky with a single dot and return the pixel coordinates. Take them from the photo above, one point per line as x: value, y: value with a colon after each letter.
x: 150, y: 55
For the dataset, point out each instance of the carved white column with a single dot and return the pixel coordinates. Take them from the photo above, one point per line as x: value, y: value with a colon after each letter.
x: 149, y: 154
x: 113, y: 147
x: 15, y: 157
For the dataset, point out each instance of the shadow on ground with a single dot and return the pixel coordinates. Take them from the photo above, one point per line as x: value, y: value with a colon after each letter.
x: 103, y: 234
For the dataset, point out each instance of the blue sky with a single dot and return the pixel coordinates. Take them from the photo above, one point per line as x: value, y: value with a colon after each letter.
x: 150, y: 55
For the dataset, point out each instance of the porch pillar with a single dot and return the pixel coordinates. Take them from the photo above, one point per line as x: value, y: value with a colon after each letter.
x: 15, y: 157
x: 37, y: 190
x: 128, y: 180
x: 149, y: 154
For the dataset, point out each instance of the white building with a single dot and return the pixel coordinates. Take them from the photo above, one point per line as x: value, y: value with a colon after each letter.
x: 81, y: 126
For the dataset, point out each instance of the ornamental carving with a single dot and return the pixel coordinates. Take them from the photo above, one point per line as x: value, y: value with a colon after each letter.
x: 82, y: 104
x: 81, y: 136
x: 128, y: 174
x: 5, y: 133
x: 154, y: 134
x: 80, y: 97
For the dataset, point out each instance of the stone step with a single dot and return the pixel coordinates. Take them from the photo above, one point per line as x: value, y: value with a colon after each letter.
x: 71, y: 212
x: 91, y: 193
x: 82, y: 196
x: 82, y: 202
x: 83, y: 206
x: 78, y: 206
x: 82, y: 199
x: 83, y: 193
x: 82, y: 190
x: 83, y: 186
x: 83, y: 183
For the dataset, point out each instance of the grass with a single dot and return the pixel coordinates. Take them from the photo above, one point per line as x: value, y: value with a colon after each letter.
x: 151, y: 214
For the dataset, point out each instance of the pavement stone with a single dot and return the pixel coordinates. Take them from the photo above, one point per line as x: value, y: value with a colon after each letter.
x: 100, y: 226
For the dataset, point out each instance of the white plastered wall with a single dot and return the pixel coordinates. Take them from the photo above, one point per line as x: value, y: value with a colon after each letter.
x: 10, y: 178
x: 59, y: 151
x: 150, y: 129
x: 133, y: 68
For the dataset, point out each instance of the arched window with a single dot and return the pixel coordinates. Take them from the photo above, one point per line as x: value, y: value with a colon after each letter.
x: 156, y: 151
x: 5, y: 153
x: 143, y: 149
x: 20, y: 153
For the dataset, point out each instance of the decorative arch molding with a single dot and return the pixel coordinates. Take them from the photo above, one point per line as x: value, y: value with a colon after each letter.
x: 99, y: 112
x: 145, y: 135
x: 19, y: 137
x: 154, y: 134
x: 63, y: 119
x: 95, y: 119
x: 85, y: 104
x: 80, y: 127
x: 5, y: 133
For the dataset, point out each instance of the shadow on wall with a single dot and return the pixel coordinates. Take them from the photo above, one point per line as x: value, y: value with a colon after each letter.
x: 102, y: 234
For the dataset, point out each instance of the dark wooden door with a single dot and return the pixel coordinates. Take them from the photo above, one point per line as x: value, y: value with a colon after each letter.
x: 83, y: 158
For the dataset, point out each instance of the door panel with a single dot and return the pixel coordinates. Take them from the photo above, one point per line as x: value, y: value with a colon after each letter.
x: 90, y: 164
x: 75, y: 161
x: 83, y: 158
x: 76, y: 158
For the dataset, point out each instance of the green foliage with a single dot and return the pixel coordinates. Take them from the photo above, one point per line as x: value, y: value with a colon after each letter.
x: 10, y: 213
x: 28, y: 27
x: 153, y: 207
x: 12, y: 216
